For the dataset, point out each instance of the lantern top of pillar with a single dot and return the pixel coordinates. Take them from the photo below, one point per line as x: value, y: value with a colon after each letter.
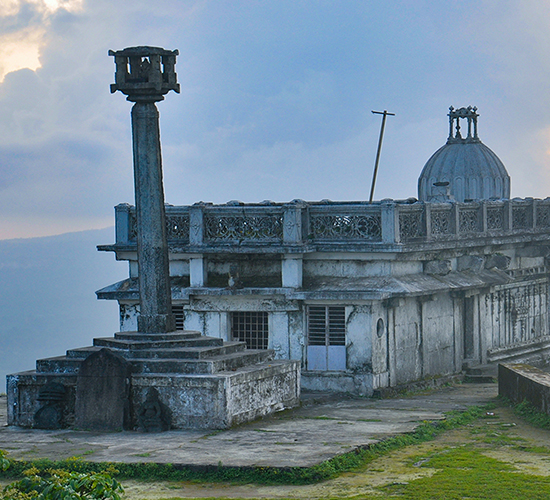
x: 145, y: 73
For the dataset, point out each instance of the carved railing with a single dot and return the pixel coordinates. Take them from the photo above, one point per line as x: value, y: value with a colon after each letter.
x: 334, y: 223
x: 236, y: 224
x: 341, y: 223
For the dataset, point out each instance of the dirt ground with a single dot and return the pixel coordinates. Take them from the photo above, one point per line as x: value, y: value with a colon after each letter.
x: 502, y: 436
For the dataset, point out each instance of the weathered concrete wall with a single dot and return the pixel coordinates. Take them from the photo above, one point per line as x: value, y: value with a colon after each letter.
x: 344, y: 266
x: 423, y: 340
x: 405, y: 341
x: 279, y: 335
x: 195, y: 401
x: 221, y: 401
x: 251, y: 270
x: 23, y: 391
x: 359, y: 326
x: 129, y: 313
x: 519, y: 382
x: 379, y: 338
x: 403, y: 338
x: 360, y: 384
x: 438, y: 336
x: 515, y: 313
x: 297, y: 335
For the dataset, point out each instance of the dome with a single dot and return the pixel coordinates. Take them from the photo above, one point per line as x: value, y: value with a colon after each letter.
x: 464, y: 168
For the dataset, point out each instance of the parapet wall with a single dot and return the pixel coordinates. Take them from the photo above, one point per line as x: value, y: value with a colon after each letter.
x: 299, y: 225
x: 520, y: 382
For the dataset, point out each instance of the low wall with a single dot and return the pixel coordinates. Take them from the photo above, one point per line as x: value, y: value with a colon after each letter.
x: 519, y: 382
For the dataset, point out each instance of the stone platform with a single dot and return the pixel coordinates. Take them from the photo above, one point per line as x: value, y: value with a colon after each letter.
x: 199, y: 382
x: 324, y: 426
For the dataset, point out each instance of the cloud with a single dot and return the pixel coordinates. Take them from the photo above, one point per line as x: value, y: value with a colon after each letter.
x: 23, y: 26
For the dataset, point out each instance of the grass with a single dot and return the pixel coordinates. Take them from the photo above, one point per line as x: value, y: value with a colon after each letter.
x: 466, y: 473
x: 451, y: 469
x: 535, y: 417
x: 462, y: 469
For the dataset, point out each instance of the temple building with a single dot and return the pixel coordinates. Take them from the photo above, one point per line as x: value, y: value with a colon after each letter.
x: 365, y: 296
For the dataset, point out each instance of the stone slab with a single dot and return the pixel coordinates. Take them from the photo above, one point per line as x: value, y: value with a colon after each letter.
x: 324, y: 426
x: 102, y: 392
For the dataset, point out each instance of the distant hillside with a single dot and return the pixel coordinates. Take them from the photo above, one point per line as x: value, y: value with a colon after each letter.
x: 47, y: 296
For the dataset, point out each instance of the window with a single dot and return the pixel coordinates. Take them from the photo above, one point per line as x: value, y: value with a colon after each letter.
x: 177, y: 311
x: 250, y: 327
x: 326, y: 348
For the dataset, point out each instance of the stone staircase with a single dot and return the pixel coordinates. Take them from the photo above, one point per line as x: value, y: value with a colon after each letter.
x: 204, y: 381
x: 481, y: 374
x: 182, y: 352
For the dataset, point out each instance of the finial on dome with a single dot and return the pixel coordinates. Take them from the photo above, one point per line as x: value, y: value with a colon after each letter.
x: 470, y: 114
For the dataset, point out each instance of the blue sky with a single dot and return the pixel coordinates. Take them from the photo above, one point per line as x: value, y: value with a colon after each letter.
x: 276, y: 99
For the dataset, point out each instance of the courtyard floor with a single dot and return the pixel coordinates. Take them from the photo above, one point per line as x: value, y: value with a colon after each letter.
x: 321, y: 428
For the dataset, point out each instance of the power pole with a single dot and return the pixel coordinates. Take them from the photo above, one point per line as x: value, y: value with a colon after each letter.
x: 384, y: 113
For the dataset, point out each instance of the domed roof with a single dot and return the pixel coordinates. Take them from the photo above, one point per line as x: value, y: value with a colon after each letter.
x: 464, y: 168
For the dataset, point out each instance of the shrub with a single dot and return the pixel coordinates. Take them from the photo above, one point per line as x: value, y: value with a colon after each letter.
x: 57, y: 484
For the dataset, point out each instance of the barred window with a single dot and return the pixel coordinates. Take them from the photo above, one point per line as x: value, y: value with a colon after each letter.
x: 250, y: 327
x: 326, y: 328
x: 177, y: 311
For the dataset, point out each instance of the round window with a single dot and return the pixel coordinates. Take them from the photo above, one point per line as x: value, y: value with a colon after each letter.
x: 380, y: 327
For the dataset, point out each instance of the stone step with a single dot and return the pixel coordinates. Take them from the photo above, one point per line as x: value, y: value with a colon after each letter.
x: 154, y: 344
x: 82, y: 352
x: 481, y: 374
x: 192, y: 352
x: 212, y: 365
x: 217, y: 364
x: 177, y: 335
x: 199, y: 352
x: 58, y: 364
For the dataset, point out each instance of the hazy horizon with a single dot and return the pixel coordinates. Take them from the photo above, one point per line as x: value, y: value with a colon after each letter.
x: 48, y: 302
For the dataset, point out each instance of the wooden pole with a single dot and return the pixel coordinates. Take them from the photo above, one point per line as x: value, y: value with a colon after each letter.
x: 384, y: 114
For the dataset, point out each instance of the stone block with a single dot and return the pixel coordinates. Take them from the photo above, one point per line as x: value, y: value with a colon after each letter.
x: 440, y: 267
x: 50, y: 415
x: 102, y: 392
x: 469, y: 263
x: 153, y: 415
x: 533, y: 251
x: 219, y: 401
x: 497, y: 261
x: 520, y: 382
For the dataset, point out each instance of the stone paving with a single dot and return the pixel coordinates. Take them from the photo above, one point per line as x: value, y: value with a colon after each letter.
x: 321, y: 428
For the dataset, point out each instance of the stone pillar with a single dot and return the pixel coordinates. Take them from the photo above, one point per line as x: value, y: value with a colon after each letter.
x: 145, y: 74
x: 122, y: 223
x: 390, y: 223
x: 155, y: 297
x: 197, y: 271
x: 292, y: 271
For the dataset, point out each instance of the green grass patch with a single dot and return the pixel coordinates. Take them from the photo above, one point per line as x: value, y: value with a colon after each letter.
x: 532, y: 415
x: 259, y: 475
x: 465, y: 472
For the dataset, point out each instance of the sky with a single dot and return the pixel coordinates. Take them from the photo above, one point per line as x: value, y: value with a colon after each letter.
x: 275, y: 103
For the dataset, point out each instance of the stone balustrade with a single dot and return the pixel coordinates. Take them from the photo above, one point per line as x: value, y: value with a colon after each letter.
x: 301, y: 224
